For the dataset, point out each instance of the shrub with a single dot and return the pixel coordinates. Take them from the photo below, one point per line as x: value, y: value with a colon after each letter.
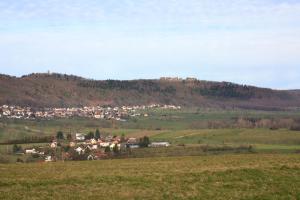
x: 17, y: 148
x: 144, y: 142
x: 107, y: 150
x: 60, y: 135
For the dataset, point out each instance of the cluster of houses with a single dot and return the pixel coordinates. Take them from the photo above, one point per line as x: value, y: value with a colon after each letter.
x: 90, y: 149
x: 98, y: 112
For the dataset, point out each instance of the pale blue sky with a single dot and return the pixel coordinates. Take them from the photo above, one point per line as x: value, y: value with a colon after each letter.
x: 253, y: 42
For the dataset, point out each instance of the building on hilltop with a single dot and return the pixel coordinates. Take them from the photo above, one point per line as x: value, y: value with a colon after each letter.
x: 171, y: 79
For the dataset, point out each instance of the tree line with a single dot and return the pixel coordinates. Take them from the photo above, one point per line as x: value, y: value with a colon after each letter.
x: 228, y: 90
x: 142, y: 86
x: 61, y: 136
x: 30, y: 139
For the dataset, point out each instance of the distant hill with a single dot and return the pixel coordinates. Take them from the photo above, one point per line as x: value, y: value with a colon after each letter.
x: 58, y: 90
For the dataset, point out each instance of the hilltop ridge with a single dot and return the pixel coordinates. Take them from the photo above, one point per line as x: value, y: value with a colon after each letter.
x: 61, y: 90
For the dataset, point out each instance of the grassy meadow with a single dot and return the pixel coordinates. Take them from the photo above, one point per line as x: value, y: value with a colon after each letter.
x: 193, y: 167
x: 184, y: 127
x: 242, y: 176
x: 157, y: 122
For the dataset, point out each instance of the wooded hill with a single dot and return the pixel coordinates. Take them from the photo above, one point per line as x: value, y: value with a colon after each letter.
x: 59, y: 90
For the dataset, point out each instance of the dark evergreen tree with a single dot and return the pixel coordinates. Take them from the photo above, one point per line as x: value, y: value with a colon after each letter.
x: 90, y: 135
x: 144, y: 142
x: 17, y: 148
x: 69, y: 137
x: 97, y: 134
x: 60, y: 135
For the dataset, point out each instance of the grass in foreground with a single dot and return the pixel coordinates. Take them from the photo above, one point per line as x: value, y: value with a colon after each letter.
x: 246, y: 176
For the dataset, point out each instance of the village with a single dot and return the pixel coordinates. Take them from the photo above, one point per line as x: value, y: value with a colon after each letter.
x: 79, y: 146
x: 98, y: 112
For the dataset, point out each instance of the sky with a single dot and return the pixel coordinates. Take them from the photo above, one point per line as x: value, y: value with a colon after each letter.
x: 254, y: 42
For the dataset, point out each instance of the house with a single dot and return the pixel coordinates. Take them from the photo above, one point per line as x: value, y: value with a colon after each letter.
x: 132, y: 141
x: 104, y: 144
x: 48, y: 159
x: 91, y: 157
x: 100, y: 155
x: 108, y: 138
x: 112, y: 146
x: 53, y: 144
x: 132, y: 146
x: 30, y: 151
x: 159, y: 144
x: 94, y: 147
x: 99, y: 141
x: 79, y: 150
x: 72, y: 144
x: 79, y: 136
x: 89, y: 147
x: 97, y: 116
x: 93, y: 141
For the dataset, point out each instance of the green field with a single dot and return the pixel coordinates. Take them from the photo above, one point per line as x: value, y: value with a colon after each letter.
x: 158, y: 120
x: 263, y: 140
x: 202, y: 162
x: 243, y: 176
x: 177, y: 127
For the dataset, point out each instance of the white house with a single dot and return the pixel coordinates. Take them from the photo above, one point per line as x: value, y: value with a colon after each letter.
x: 89, y: 147
x: 48, y: 159
x: 30, y: 151
x: 72, y: 144
x: 79, y: 136
x: 91, y: 157
x: 79, y: 150
x: 133, y: 146
x: 97, y: 116
x: 159, y: 144
x: 93, y: 141
x: 104, y: 144
x: 53, y: 145
x: 113, y: 145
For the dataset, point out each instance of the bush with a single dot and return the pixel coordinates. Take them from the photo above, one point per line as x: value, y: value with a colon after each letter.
x: 116, y: 149
x: 107, y: 150
x: 35, y: 155
x: 89, y: 136
x: 144, y: 142
x: 60, y: 135
x: 273, y: 128
x: 17, y: 149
